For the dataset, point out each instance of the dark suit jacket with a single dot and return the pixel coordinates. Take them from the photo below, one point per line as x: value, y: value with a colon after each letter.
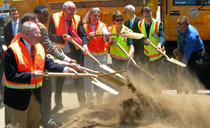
x: 8, y: 32
x: 20, y: 98
x: 138, y: 44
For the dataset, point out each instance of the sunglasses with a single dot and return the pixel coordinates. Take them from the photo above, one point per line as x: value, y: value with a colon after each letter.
x: 118, y: 20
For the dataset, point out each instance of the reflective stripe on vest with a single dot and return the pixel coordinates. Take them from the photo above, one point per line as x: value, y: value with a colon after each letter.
x: 149, y: 51
x: 61, y: 26
x: 26, y: 64
x: 97, y: 46
x: 115, y: 51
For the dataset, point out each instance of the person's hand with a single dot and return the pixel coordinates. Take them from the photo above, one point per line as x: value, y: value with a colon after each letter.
x: 113, y: 41
x: 107, y: 36
x: 146, y: 41
x: 91, y: 34
x: 66, y: 37
x: 131, y: 54
x: 71, y: 70
x: 75, y: 66
x: 86, y: 49
x: 37, y: 74
x: 73, y: 61
x: 159, y: 47
x: 176, y: 51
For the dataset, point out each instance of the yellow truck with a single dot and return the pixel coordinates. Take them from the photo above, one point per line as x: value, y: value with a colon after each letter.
x: 198, y: 11
x: 107, y: 7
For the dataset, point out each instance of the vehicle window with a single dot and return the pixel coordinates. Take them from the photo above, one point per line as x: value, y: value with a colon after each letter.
x: 191, y: 2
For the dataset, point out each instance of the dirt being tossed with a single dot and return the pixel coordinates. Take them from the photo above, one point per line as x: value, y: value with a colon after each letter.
x: 140, y: 105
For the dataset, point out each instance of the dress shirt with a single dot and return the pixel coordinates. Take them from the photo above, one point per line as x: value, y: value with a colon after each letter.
x: 131, y: 21
x: 189, y: 42
x: 28, y: 46
x: 15, y: 27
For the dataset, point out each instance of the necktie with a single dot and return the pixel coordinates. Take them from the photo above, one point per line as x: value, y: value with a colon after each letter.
x: 131, y: 24
x: 32, y: 52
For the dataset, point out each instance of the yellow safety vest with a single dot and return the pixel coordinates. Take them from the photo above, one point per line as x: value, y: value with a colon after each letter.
x: 115, y: 51
x: 149, y: 51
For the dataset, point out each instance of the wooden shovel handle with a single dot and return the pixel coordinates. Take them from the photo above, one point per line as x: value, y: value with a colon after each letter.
x: 112, y: 34
x: 68, y: 74
x: 83, y: 50
x: 158, y: 50
x: 134, y: 62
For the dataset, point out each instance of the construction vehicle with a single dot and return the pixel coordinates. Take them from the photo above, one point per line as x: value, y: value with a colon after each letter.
x: 107, y: 7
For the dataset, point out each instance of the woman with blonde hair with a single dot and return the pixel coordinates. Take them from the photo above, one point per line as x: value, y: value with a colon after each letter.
x: 98, y: 46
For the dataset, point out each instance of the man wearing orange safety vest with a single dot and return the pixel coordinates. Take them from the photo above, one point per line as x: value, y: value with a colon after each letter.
x: 61, y: 25
x: 25, y: 61
x: 153, y: 31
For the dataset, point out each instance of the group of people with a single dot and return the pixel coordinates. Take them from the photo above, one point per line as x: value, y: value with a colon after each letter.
x: 27, y: 94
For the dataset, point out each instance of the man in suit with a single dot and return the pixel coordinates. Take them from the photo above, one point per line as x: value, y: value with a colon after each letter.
x: 25, y: 60
x: 132, y: 23
x: 11, y: 29
x: 47, y: 120
x: 61, y: 25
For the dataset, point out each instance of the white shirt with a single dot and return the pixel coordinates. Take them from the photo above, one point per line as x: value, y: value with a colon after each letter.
x: 15, y: 26
x: 132, y: 20
x: 28, y: 46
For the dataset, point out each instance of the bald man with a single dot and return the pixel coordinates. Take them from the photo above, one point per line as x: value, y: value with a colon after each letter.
x: 132, y: 23
x: 62, y: 24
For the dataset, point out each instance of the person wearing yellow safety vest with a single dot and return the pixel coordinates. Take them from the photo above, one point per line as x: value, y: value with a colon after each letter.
x: 23, y: 68
x: 153, y: 31
x: 119, y: 58
x: 62, y: 25
x: 98, y: 46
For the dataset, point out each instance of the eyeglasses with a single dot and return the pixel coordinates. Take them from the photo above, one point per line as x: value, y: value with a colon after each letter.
x: 35, y: 32
x: 71, y: 11
x: 118, y: 20
x: 96, y: 16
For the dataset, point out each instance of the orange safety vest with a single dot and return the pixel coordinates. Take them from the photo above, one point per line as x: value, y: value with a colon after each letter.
x: 25, y: 64
x: 61, y: 27
x: 97, y: 46
x: 149, y: 51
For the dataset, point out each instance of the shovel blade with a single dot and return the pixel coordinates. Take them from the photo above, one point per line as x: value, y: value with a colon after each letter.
x: 105, y: 87
x: 113, y: 80
x: 133, y: 35
x: 176, y: 62
x: 105, y: 67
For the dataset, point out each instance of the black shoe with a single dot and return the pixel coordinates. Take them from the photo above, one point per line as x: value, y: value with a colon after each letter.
x: 52, y: 124
x: 57, y: 108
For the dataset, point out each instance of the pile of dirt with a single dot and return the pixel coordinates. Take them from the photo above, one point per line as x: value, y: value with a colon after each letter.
x: 141, y: 104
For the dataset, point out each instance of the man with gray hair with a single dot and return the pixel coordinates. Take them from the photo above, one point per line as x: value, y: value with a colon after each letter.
x: 61, y: 25
x: 132, y: 23
x: 25, y: 62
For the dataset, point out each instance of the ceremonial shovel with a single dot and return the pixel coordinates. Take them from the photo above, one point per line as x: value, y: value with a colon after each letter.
x: 172, y: 60
x: 106, y: 76
x: 105, y: 67
x: 131, y: 35
x: 134, y: 62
